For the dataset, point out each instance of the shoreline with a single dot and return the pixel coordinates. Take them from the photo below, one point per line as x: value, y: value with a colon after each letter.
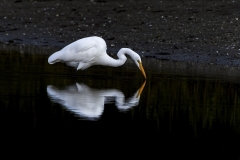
x: 188, y: 31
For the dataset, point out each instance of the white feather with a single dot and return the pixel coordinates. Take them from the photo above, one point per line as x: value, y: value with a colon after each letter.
x: 90, y: 51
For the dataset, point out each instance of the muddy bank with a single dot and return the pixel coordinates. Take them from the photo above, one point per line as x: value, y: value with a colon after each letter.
x: 193, y: 31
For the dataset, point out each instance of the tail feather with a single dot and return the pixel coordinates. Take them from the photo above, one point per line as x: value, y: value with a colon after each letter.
x: 55, y: 57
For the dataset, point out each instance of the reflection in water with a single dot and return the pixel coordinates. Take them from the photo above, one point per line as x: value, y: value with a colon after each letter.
x: 183, y: 103
x: 89, y: 103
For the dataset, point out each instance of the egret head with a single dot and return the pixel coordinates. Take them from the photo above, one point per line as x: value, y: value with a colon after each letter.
x: 137, y: 59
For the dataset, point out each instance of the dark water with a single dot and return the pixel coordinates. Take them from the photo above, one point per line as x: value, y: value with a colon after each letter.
x: 181, y: 108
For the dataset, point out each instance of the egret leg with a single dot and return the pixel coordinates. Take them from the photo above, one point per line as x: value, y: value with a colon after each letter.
x: 74, y: 74
x: 85, y: 73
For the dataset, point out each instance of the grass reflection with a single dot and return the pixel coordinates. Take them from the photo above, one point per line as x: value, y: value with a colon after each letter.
x: 204, y: 101
x: 170, y: 98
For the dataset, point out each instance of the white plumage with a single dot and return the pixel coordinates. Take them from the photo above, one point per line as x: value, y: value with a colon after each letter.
x: 90, y: 51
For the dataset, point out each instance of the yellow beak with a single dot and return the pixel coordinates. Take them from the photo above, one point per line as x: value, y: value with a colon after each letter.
x: 142, y: 70
x: 141, y: 89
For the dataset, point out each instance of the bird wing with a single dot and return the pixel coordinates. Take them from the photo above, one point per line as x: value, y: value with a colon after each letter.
x: 81, y: 54
x: 84, y: 50
x: 72, y: 64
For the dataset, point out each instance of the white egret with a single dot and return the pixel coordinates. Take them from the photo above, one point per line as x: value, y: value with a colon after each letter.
x: 90, y: 51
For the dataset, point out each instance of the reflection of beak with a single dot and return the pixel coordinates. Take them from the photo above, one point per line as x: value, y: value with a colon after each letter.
x: 141, y: 89
x: 142, y: 70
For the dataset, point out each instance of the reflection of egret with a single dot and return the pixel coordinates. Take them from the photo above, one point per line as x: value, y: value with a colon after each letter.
x: 90, y: 51
x: 89, y: 103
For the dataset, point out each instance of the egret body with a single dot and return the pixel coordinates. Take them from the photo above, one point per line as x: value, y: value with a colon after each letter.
x: 90, y: 51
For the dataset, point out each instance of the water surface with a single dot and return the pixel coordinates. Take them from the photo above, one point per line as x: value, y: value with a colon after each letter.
x: 181, y: 106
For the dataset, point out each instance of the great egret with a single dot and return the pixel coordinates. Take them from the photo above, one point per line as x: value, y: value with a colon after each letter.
x: 86, y: 102
x: 90, y: 51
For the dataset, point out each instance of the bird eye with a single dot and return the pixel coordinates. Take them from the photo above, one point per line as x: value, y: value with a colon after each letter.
x: 138, y: 61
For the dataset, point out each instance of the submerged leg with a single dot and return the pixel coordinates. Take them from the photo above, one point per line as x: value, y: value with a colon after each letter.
x: 74, y: 74
x: 85, y: 73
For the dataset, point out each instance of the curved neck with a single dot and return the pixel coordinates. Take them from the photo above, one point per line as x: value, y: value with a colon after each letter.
x: 121, y: 53
x: 109, y: 61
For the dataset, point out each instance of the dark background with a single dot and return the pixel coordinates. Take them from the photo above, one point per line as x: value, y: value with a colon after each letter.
x: 198, y: 31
